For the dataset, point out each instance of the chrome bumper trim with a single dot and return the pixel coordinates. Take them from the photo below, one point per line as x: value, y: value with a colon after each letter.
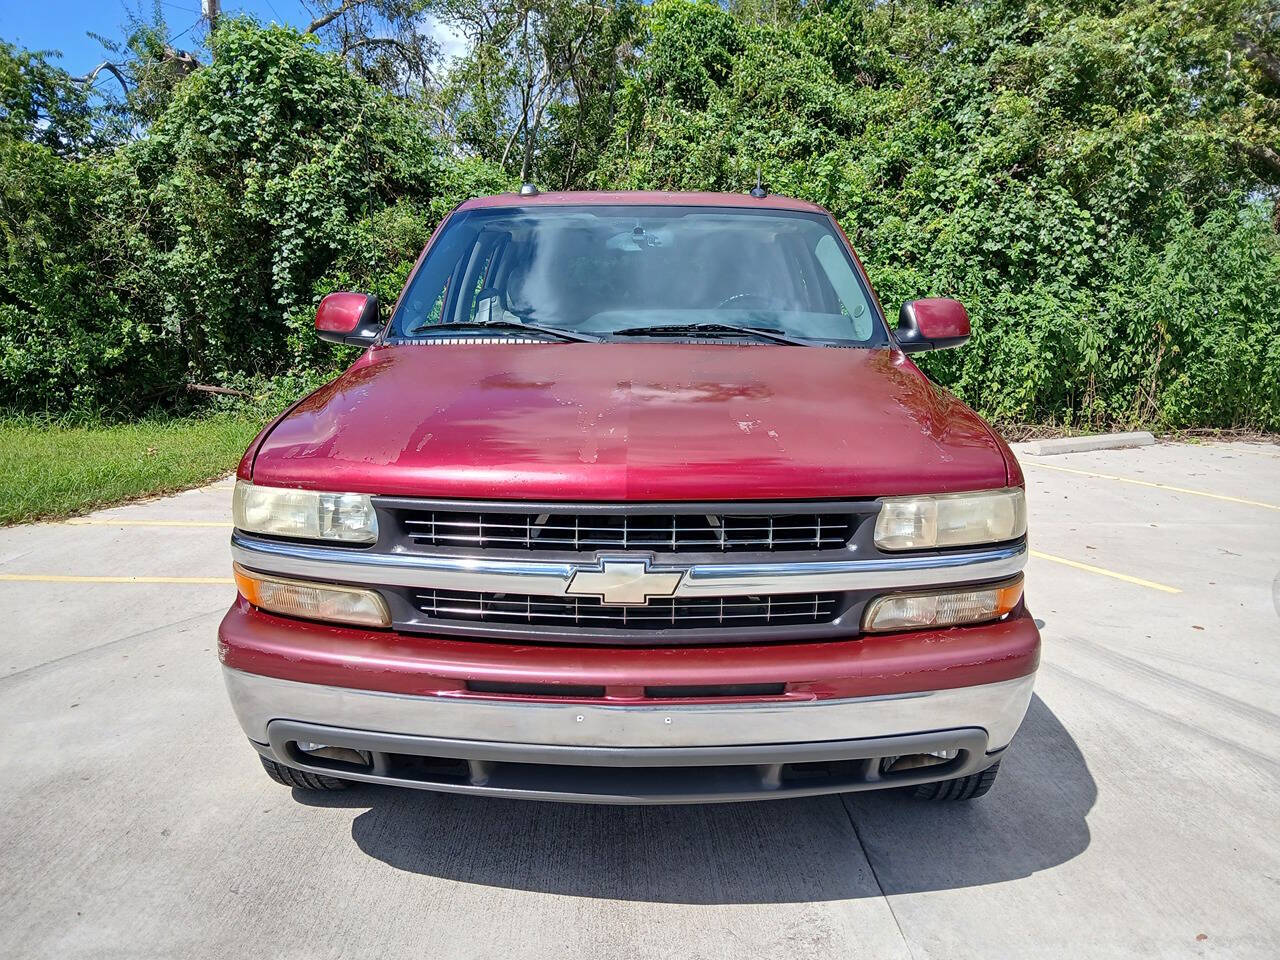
x: 552, y: 578
x: 997, y: 708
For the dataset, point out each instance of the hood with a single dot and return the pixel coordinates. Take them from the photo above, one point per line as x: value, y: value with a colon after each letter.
x: 630, y: 421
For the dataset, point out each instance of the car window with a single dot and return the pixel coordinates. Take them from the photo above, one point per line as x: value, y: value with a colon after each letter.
x: 602, y: 269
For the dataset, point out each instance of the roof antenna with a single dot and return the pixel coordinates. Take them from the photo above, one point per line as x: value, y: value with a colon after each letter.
x: 758, y: 191
x: 528, y: 190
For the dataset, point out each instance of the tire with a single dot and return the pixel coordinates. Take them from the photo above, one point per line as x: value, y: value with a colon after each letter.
x: 300, y: 779
x: 961, y: 788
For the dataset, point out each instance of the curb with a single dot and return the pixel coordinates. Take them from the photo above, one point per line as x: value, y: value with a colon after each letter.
x: 1106, y: 441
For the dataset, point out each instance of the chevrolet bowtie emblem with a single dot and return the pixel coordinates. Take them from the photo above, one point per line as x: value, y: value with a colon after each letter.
x: 624, y: 582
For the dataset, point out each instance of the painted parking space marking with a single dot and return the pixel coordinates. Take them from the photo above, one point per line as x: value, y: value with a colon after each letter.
x: 1257, y: 453
x: 1151, y: 483
x: 107, y: 522
x: 1104, y: 572
x: 58, y: 578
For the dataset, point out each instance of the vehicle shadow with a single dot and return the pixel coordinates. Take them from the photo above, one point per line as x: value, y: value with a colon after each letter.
x: 785, y: 851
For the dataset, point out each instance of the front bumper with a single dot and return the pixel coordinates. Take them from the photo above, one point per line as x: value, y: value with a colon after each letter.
x: 848, y: 709
x: 695, y: 753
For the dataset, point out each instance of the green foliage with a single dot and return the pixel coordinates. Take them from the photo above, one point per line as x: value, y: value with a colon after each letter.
x: 1098, y: 182
x: 1055, y: 166
x: 55, y: 470
x: 40, y: 103
x: 190, y: 255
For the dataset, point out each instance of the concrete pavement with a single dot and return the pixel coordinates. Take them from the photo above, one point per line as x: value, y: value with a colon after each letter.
x: 1135, y: 816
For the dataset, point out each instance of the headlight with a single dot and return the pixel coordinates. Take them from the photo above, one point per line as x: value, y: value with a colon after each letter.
x: 943, y: 608
x: 314, y: 601
x: 279, y: 512
x: 951, y: 519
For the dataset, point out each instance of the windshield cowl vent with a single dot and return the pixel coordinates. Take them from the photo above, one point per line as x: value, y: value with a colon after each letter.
x: 457, y: 341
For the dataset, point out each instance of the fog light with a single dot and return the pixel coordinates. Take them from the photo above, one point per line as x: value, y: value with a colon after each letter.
x: 942, y: 608
x: 314, y: 601
x: 914, y: 761
x: 359, y: 758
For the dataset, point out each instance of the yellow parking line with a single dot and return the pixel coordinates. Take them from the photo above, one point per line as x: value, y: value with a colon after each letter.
x: 107, y: 522
x: 56, y: 578
x: 1102, y: 571
x: 1152, y: 483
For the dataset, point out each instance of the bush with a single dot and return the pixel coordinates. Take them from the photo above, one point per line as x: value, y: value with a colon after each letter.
x: 195, y: 253
x: 1048, y: 165
x: 1080, y: 175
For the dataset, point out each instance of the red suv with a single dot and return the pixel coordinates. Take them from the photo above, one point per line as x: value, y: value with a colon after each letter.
x: 636, y: 498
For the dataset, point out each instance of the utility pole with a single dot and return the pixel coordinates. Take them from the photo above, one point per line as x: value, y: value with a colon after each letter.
x: 211, y: 10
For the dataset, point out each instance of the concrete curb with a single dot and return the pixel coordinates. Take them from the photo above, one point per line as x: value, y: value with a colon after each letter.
x: 1106, y: 441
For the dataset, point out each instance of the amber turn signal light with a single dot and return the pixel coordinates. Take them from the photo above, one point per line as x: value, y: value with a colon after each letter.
x: 312, y: 601
x: 942, y: 608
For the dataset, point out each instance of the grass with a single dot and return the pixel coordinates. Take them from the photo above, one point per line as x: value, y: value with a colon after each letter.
x: 51, y: 471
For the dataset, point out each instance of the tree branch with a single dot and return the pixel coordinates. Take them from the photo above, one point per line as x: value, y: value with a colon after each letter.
x: 325, y: 19
x: 111, y: 68
x: 410, y: 54
x: 1268, y: 63
x: 1264, y: 155
x: 400, y: 45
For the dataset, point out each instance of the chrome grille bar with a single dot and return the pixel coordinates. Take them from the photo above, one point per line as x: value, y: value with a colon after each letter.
x: 551, y: 578
x: 663, y: 613
x: 672, y: 532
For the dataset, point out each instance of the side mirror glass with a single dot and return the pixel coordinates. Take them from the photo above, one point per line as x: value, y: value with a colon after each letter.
x: 350, y: 318
x: 932, y: 324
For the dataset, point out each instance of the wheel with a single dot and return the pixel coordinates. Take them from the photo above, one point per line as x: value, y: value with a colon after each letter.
x: 961, y: 788
x: 300, y: 778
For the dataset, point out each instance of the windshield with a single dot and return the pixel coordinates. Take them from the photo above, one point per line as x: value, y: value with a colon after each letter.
x: 599, y: 270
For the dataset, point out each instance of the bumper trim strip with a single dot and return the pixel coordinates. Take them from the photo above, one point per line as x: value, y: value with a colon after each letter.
x: 552, y: 578
x: 997, y: 708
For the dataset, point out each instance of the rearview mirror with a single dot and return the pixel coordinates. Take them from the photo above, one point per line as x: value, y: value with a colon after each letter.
x: 935, y: 323
x: 350, y: 318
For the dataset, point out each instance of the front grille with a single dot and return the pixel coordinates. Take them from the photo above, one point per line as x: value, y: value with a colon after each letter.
x: 675, y: 533
x: 664, y: 613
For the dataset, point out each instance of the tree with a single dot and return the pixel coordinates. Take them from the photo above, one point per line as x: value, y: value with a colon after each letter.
x: 148, y: 69
x: 383, y: 40
x: 1255, y: 28
x: 42, y: 103
x: 527, y: 61
x: 1095, y: 180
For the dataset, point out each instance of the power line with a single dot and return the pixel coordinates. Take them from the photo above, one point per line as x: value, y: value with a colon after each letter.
x: 179, y: 36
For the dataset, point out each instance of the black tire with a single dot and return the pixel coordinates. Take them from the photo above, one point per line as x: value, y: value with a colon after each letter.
x: 961, y: 788
x: 290, y: 777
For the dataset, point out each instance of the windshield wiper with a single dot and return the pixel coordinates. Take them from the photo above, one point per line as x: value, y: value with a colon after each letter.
x: 700, y: 329
x: 562, y: 334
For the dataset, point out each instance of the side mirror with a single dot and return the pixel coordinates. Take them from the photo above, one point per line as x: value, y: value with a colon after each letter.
x: 350, y: 318
x: 933, y: 324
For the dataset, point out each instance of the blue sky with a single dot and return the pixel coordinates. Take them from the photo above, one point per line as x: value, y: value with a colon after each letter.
x: 62, y: 24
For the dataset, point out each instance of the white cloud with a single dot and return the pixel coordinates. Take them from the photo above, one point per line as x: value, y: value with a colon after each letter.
x: 452, y: 43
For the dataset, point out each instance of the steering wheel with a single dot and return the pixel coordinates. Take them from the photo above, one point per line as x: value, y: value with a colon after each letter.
x: 745, y: 301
